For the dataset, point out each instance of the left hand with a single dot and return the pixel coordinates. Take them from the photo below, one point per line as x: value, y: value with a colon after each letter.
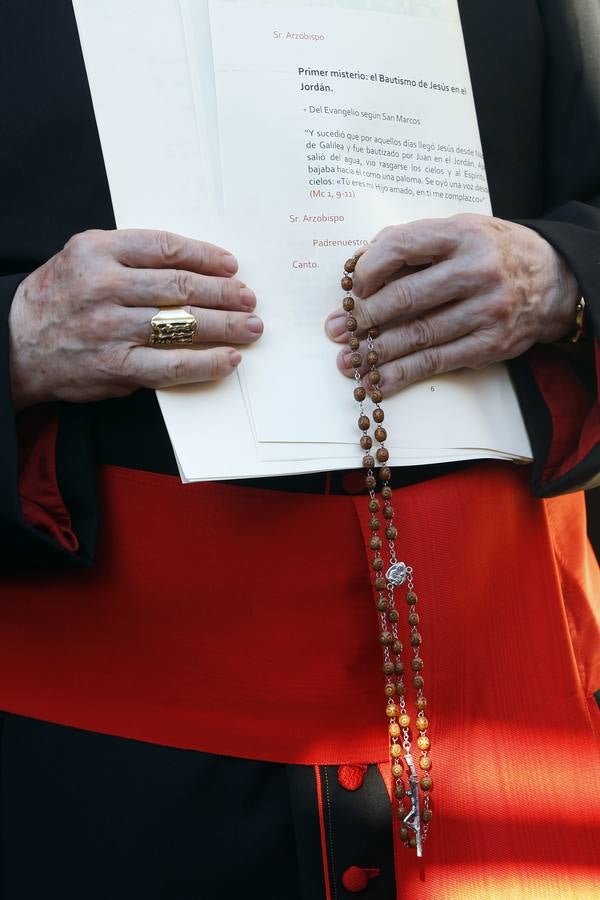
x: 466, y: 291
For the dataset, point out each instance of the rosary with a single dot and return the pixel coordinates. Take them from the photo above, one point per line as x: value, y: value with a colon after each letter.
x: 415, y: 791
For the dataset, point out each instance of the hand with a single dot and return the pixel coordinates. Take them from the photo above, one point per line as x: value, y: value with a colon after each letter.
x: 79, y: 325
x: 466, y: 291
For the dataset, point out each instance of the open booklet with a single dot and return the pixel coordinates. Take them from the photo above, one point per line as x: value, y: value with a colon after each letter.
x: 291, y: 133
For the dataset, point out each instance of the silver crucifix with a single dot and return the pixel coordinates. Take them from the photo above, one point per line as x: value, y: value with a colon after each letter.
x: 412, y: 819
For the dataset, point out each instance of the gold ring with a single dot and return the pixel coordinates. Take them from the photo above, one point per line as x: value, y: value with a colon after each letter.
x: 172, y: 326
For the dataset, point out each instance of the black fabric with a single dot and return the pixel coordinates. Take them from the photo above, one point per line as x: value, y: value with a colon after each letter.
x: 534, y: 68
x: 363, y: 840
x: 90, y: 817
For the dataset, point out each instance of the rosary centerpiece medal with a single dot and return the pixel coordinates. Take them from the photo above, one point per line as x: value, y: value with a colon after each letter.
x: 412, y: 782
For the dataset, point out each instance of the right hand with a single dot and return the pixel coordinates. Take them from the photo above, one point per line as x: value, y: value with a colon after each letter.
x: 79, y: 325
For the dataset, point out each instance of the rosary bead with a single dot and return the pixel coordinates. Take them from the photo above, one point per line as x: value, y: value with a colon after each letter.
x: 350, y: 264
x: 403, y: 832
x: 391, y: 710
x: 376, y: 395
x: 389, y: 690
x: 360, y: 394
x: 413, y: 618
x: 346, y: 283
x: 380, y: 584
x: 394, y: 615
x: 373, y: 377
x: 397, y: 646
x: 418, y: 682
x: 399, y: 791
x: 382, y: 455
x: 351, y: 323
x: 394, y: 729
x: 404, y: 720
x: 399, y: 667
x: 416, y: 664
x: 386, y: 493
x: 373, y: 333
x: 354, y: 343
x: 388, y: 668
x: 385, y: 473
x: 397, y: 770
x: 423, y: 742
x: 388, y: 511
x: 400, y: 689
x: 395, y: 751
x: 370, y: 483
x: 377, y: 564
x: 411, y: 598
x: 380, y: 434
x: 375, y: 543
x: 427, y: 815
x: 378, y: 415
x: 412, y: 843
x: 366, y: 442
x: 422, y: 722
x: 348, y: 304
x: 426, y: 783
x: 425, y: 763
x: 374, y: 505
x: 368, y: 461
x: 391, y: 533
x: 372, y: 358
x: 421, y: 703
x: 416, y: 639
x: 356, y: 360
x: 364, y: 423
x: 382, y: 604
x: 386, y: 638
x: 374, y: 523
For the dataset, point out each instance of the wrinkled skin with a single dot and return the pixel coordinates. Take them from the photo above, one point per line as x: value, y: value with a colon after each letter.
x: 79, y: 325
x: 466, y: 291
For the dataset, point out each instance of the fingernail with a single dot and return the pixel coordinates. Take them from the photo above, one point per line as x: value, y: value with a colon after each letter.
x: 235, y: 358
x: 229, y: 263
x: 247, y: 298
x: 255, y: 325
x: 336, y: 324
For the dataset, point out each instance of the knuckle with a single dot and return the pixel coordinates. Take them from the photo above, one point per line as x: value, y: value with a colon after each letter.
x: 182, y: 286
x: 430, y: 361
x: 422, y: 334
x: 363, y: 314
x: 176, y: 367
x: 403, y: 295
x: 229, y: 327
x: 400, y: 372
x: 168, y: 245
x: 215, y: 366
x: 84, y: 242
x: 491, y: 270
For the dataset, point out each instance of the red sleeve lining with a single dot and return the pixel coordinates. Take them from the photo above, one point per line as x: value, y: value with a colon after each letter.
x: 42, y: 505
x: 574, y: 413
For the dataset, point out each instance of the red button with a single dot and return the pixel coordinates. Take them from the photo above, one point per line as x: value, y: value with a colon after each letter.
x: 355, y: 879
x: 351, y: 777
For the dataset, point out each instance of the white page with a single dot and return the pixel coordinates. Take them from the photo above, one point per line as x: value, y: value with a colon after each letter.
x: 159, y: 177
x: 265, y: 121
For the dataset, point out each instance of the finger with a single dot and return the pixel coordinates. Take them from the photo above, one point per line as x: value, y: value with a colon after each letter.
x: 213, y: 326
x: 151, y: 368
x: 415, y: 244
x: 472, y: 351
x: 452, y: 321
x: 408, y: 297
x: 143, y: 248
x: 178, y: 287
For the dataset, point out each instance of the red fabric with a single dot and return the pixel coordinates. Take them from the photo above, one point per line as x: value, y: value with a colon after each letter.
x: 574, y: 412
x: 42, y: 506
x: 241, y: 621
